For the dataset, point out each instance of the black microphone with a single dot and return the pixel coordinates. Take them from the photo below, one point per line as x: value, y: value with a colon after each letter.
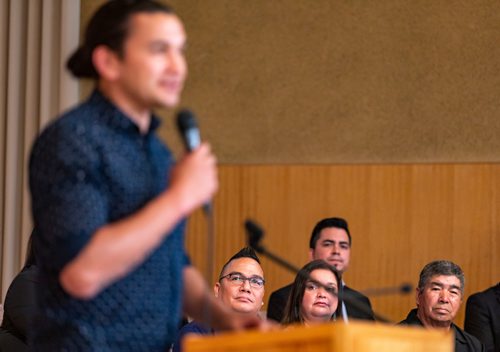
x: 188, y: 128
x: 255, y: 234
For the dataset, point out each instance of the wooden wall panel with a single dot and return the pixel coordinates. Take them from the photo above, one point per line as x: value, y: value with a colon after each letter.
x: 401, y: 217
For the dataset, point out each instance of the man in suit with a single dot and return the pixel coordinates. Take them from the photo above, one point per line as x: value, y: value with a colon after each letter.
x: 482, y: 317
x: 330, y: 241
x: 438, y: 297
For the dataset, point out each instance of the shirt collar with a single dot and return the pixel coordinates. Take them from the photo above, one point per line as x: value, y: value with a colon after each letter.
x: 459, y: 335
x: 115, y: 118
x: 413, y: 318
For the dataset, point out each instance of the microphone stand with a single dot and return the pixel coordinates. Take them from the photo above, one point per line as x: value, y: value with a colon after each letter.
x: 254, y: 236
x: 209, y: 216
x: 188, y: 129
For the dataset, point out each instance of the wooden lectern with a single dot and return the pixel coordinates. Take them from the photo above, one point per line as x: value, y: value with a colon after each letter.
x: 331, y: 337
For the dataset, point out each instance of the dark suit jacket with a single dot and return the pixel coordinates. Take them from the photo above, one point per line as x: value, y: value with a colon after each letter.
x: 19, y: 311
x: 464, y: 342
x: 482, y: 317
x: 278, y: 299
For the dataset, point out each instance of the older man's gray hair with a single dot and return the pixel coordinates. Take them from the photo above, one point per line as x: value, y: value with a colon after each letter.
x: 441, y: 267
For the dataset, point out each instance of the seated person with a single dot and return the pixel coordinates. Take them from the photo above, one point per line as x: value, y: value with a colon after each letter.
x: 240, y: 287
x: 313, y: 297
x: 330, y: 241
x: 20, y: 305
x: 439, y: 296
x: 482, y: 317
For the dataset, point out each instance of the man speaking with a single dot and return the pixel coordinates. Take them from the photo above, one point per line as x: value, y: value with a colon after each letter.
x: 108, y: 203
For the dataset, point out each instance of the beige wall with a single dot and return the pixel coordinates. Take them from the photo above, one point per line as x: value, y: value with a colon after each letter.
x: 295, y: 81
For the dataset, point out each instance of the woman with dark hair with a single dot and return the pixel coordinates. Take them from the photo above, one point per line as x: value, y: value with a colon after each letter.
x: 313, y: 298
x: 20, y: 305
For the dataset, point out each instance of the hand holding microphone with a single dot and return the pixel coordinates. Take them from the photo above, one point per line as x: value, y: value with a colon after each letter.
x: 195, y: 175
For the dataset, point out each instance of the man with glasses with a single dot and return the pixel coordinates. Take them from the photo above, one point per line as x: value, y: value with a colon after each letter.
x: 240, y: 287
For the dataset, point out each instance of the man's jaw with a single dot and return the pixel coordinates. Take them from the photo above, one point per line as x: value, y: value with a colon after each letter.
x: 338, y: 263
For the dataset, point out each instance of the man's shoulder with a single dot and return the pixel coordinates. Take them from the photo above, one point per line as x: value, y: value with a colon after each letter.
x: 91, y: 110
x: 283, y: 291
x: 71, y: 124
x: 465, y: 341
x: 277, y: 303
x: 357, y: 304
x: 489, y: 295
x: 411, y: 319
x: 358, y: 296
x: 354, y: 292
x: 195, y: 328
x: 190, y: 328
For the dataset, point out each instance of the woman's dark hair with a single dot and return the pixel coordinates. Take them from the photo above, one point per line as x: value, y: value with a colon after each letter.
x: 292, y: 309
x: 109, y: 26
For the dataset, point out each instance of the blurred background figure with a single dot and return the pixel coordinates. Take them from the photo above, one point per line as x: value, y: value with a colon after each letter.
x: 482, y: 317
x: 20, y: 305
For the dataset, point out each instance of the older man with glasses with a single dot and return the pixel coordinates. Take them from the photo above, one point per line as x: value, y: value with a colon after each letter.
x: 240, y: 288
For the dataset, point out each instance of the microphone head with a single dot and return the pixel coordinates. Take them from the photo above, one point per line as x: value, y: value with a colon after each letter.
x: 188, y: 128
x: 406, y: 288
x: 186, y: 120
x: 255, y: 234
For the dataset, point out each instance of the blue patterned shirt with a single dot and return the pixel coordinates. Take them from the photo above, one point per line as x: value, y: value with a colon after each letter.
x: 190, y: 328
x: 89, y: 168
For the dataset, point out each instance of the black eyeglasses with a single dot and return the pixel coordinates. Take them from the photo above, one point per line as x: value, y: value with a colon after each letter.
x: 239, y: 279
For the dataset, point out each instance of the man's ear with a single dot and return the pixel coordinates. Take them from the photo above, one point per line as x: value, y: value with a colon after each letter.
x: 106, y: 63
x: 216, y: 289
x: 311, y: 254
